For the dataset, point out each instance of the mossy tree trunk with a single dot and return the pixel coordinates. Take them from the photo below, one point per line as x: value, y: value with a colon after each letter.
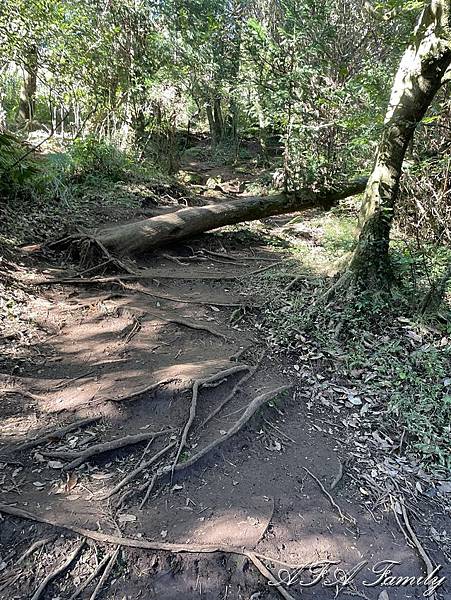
x: 419, y: 77
x: 165, y: 229
x: 27, y: 98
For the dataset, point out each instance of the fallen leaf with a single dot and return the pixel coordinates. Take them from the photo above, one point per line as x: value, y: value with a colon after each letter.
x: 71, y: 482
x: 127, y: 518
x: 55, y: 464
x: 102, y: 476
x: 355, y: 400
x: 444, y: 487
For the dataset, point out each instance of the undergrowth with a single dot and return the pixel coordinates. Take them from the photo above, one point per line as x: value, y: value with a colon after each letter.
x: 378, y: 344
x: 93, y: 182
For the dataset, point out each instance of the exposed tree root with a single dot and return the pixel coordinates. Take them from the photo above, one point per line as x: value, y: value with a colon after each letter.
x: 143, y: 544
x: 146, y: 275
x: 343, y: 517
x: 238, y: 385
x: 81, y: 457
x: 139, y: 469
x: 51, y: 576
x: 35, y: 546
x: 248, y: 413
x: 91, y: 577
x: 267, y: 267
x: 256, y: 403
x: 22, y: 392
x: 192, y: 413
x: 106, y: 573
x: 146, y: 292
x: 87, y: 247
x: 268, y: 575
x: 235, y: 258
x: 421, y: 551
x: 56, y: 433
x: 190, y: 325
x: 149, y: 489
x: 107, y: 538
x: 145, y: 390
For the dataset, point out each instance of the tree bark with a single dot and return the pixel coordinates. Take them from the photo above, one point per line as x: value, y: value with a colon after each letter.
x: 419, y: 77
x: 27, y: 98
x: 165, y: 229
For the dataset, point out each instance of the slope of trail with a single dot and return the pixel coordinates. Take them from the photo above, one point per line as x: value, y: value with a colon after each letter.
x: 126, y: 357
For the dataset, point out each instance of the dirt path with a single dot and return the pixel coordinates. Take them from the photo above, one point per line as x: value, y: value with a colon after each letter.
x: 126, y: 357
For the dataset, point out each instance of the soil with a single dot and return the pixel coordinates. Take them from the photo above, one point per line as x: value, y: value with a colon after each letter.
x: 92, y: 348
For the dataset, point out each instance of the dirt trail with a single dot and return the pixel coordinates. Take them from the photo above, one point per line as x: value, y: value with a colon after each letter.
x: 130, y: 358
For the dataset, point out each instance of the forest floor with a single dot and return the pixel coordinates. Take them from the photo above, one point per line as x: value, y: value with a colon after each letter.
x: 317, y: 474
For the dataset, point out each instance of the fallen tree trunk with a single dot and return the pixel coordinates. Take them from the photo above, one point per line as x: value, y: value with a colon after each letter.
x: 188, y: 222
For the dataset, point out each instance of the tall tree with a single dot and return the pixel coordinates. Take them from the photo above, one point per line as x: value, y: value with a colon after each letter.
x: 27, y: 99
x: 419, y: 77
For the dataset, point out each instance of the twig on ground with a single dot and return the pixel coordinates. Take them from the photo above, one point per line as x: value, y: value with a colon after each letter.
x: 149, y: 489
x: 269, y: 576
x: 145, y: 390
x: 56, y: 433
x: 421, y: 551
x: 266, y: 268
x: 144, y: 465
x: 51, y: 576
x: 343, y: 517
x: 293, y: 282
x: 175, y: 259
x: 229, y: 396
x: 81, y: 457
x: 35, y: 546
x: 10, y: 580
x: 192, y: 413
x: 190, y: 325
x: 91, y: 577
x: 134, y: 330
x: 173, y: 298
x: 339, y: 475
x: 106, y: 573
x: 66, y: 382
x: 279, y: 431
x: 256, y: 403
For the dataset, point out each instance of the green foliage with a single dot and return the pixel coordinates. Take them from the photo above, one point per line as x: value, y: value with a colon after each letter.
x: 16, y: 169
x: 90, y: 157
x: 339, y: 234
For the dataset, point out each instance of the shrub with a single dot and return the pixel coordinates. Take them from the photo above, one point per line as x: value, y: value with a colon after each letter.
x: 93, y: 157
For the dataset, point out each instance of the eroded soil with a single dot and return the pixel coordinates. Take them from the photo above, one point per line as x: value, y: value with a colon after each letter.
x: 96, y: 352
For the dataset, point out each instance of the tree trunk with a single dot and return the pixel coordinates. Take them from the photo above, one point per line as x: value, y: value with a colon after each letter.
x: 211, y: 124
x: 419, y: 77
x: 27, y: 98
x: 165, y: 229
